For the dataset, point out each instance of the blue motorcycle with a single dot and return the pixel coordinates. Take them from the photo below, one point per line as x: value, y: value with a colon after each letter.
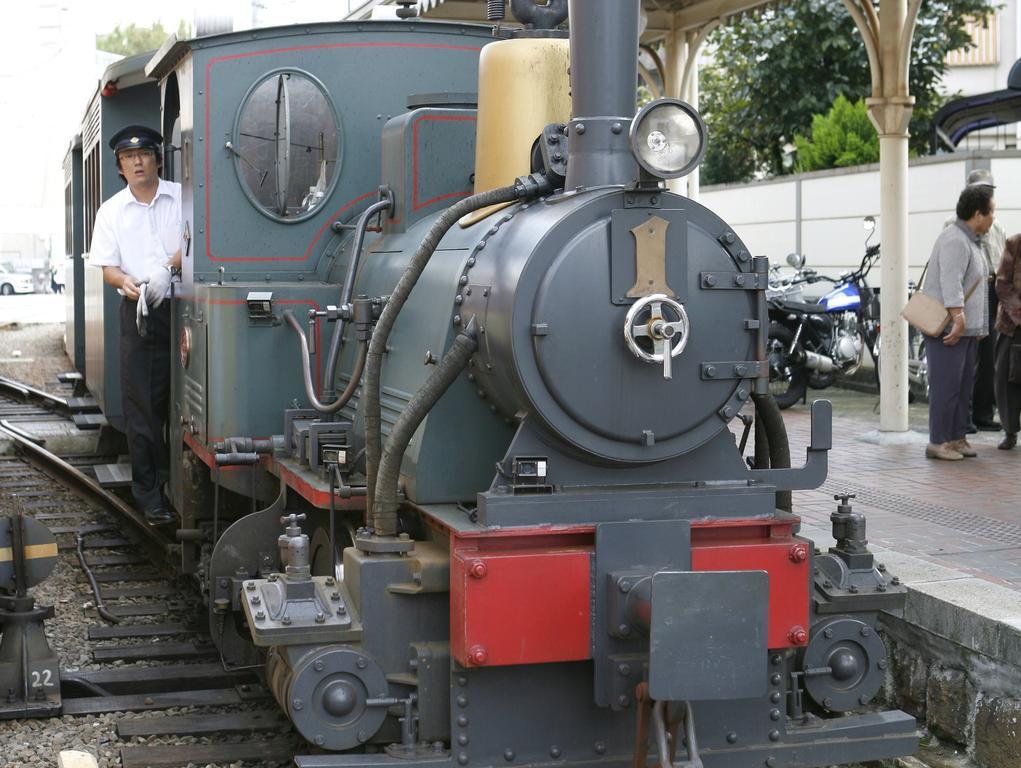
x: 810, y: 343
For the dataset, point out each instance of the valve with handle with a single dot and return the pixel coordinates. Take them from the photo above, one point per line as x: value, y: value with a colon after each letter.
x: 294, y: 550
x: 648, y: 319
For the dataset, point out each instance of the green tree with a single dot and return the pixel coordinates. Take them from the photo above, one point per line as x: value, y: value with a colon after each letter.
x: 775, y: 68
x: 133, y: 39
x: 843, y: 137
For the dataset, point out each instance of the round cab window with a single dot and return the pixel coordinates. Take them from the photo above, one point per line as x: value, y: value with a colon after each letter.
x: 286, y: 148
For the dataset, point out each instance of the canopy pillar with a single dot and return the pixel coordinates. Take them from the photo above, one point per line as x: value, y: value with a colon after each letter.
x: 681, y: 67
x: 887, y: 35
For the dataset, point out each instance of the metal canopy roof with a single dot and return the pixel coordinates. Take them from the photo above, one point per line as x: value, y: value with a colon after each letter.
x: 957, y: 118
x: 664, y: 16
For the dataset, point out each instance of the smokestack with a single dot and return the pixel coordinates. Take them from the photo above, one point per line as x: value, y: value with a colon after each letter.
x: 604, y: 77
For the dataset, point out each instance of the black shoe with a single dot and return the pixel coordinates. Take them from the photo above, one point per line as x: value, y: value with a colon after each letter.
x: 971, y: 430
x: 158, y: 516
x: 987, y: 426
x: 1009, y: 441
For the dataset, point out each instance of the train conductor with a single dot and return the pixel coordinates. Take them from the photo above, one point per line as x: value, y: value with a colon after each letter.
x: 136, y: 240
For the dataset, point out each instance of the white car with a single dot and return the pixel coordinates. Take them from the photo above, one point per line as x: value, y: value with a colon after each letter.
x: 15, y: 282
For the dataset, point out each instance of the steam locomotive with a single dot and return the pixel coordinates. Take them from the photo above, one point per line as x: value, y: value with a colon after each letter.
x: 451, y: 407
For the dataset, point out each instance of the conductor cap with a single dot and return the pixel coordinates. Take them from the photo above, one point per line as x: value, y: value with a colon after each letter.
x: 136, y: 137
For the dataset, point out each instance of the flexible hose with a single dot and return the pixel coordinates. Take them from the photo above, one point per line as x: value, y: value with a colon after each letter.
x: 384, y: 510
x: 348, y: 289
x: 761, y: 445
x: 306, y: 371
x: 768, y: 412
x: 96, y: 592
x: 385, y: 324
x: 88, y: 685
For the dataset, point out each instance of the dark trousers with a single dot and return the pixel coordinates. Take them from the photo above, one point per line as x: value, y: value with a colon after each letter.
x: 145, y: 386
x: 1008, y: 396
x: 951, y: 380
x: 984, y: 397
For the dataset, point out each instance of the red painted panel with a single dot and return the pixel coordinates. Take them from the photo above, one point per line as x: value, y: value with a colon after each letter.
x: 783, y: 556
x: 519, y: 604
x: 541, y: 586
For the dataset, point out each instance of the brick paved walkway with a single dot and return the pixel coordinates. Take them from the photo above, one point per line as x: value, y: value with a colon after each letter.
x: 964, y: 515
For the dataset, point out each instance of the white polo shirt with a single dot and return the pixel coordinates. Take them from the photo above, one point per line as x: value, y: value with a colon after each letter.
x: 136, y: 237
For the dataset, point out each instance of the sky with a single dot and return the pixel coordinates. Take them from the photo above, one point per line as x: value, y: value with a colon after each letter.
x: 49, y: 69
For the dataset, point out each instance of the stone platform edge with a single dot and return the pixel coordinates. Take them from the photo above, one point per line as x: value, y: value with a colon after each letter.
x: 955, y: 655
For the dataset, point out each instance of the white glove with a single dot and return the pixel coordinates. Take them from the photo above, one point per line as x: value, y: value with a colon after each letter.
x: 158, y: 283
x: 142, y: 310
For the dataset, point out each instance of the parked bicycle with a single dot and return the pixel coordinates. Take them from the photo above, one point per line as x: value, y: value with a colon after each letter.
x: 918, y: 366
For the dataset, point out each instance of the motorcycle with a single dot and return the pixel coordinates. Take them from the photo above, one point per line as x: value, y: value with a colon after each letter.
x: 810, y: 343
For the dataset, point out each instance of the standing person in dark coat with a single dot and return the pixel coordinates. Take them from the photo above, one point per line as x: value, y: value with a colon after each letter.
x: 136, y: 240
x: 1008, y: 323
x: 956, y: 274
x: 983, y: 400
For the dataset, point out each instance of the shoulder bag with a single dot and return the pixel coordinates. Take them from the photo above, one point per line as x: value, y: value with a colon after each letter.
x: 928, y: 314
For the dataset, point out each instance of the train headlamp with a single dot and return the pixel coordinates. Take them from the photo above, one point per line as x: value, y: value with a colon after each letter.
x: 668, y: 138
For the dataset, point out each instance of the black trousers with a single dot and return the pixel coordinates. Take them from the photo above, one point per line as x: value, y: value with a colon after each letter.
x: 1008, y: 396
x: 983, y: 399
x: 145, y: 387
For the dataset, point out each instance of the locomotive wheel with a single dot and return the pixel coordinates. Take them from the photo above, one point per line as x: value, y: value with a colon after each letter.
x: 326, y: 694
x: 853, y: 657
x: 319, y: 551
x: 787, y: 380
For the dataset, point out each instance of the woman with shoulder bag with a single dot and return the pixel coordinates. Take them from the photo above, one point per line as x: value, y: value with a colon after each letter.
x: 956, y: 268
x: 1008, y: 346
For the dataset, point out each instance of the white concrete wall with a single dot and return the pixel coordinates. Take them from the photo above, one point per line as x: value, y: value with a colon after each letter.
x: 827, y: 226
x: 766, y: 212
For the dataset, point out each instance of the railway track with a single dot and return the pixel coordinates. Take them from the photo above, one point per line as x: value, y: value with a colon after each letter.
x: 21, y: 401
x: 132, y: 637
